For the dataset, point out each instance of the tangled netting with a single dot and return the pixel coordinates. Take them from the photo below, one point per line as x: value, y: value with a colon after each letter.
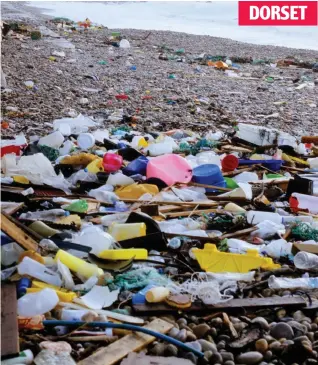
x: 304, y: 232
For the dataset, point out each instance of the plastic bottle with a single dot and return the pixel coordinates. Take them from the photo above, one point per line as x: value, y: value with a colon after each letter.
x: 49, y: 215
x: 82, y: 175
x: 158, y: 149
x: 35, y: 269
x: 53, y: 140
x: 119, y: 179
x: 126, y: 231
x: 25, y: 357
x: 78, y: 265
x: 66, y: 147
x: 10, y: 253
x: 103, y: 194
x: 278, y: 248
x: 255, y: 217
x: 157, y: 295
x: 79, y: 206
x: 297, y: 218
x: 34, y: 304
x: 289, y: 283
x: 85, y: 141
x: 306, y: 261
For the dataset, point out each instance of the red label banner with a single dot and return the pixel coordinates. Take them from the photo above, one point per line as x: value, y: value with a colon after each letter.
x: 277, y: 13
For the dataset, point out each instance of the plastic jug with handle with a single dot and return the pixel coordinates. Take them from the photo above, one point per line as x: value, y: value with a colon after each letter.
x: 170, y: 169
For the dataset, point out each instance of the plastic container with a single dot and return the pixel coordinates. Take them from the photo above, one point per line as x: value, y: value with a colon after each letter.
x: 95, y: 166
x: 112, y: 162
x: 66, y: 147
x: 157, y: 294
x: 124, y: 43
x: 169, y: 168
x: 140, y: 297
x: 306, y: 261
x: 36, y: 270
x: 124, y: 254
x: 229, y: 163
x: 135, y: 191
x: 139, y: 142
x: 212, y: 260
x: 313, y: 162
x: 303, y: 202
x: 23, y: 285
x: 96, y: 238
x: 78, y: 265
x: 53, y: 140
x: 119, y: 179
x: 126, y: 231
x: 65, y: 129
x: 208, y: 174
x: 289, y: 283
x: 63, y: 296
x: 34, y: 304
x: 25, y: 357
x: 158, y: 149
x: 254, y: 217
x: 138, y: 166
x: 85, y: 141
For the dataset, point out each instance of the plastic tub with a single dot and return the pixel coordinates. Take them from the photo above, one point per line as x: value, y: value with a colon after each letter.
x: 170, y: 169
x: 208, y: 174
x: 138, y: 166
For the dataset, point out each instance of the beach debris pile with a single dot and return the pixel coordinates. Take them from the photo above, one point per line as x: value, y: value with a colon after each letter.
x: 183, y: 245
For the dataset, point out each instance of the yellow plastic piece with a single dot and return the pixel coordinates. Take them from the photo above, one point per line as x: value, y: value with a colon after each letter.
x: 95, y: 166
x: 142, y: 143
x: 32, y: 255
x: 70, y: 219
x: 79, y: 159
x: 135, y: 191
x: 126, y: 231
x: 297, y: 160
x: 212, y: 260
x: 20, y: 179
x: 124, y: 254
x: 63, y: 297
x: 78, y: 265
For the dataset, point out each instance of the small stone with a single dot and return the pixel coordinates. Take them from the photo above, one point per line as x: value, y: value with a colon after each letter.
x: 240, y: 326
x: 182, y: 321
x: 190, y: 356
x: 56, y: 347
x: 208, y: 354
x: 221, y: 345
x: 201, y: 330
x: 173, y: 332
x: 229, y: 362
x: 282, y: 330
x: 171, y: 350
x: 207, y: 346
x: 216, y: 358
x: 83, y: 101
x: 194, y: 345
x: 250, y: 358
x: 158, y: 349
x: 299, y: 316
x: 261, y: 345
x: 191, y: 336
x: 227, y: 356
x: 268, y: 355
x: 275, y: 346
x: 182, y: 335
x: 262, y: 322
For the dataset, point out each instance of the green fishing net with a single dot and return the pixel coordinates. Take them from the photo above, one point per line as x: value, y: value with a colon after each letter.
x: 140, y: 278
x: 304, y: 232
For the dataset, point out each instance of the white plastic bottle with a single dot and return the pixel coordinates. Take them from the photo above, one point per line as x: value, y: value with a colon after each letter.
x: 33, y: 304
x: 306, y: 261
x: 49, y: 215
x: 255, y: 217
x: 36, y: 270
x: 25, y: 357
x: 53, y: 140
x: 290, y: 283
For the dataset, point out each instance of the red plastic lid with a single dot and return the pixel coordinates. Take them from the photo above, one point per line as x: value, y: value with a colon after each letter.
x: 229, y: 163
x: 112, y: 162
x: 293, y: 203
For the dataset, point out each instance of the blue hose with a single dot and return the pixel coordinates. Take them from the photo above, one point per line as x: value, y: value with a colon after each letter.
x: 129, y: 327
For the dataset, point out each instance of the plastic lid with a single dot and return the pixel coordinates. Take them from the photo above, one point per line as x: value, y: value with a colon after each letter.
x: 230, y: 163
x: 85, y: 141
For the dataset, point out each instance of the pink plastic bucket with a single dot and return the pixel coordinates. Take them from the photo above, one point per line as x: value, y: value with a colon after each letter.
x: 170, y: 168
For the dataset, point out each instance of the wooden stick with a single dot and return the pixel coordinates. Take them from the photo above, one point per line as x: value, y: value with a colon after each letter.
x: 188, y: 213
x: 238, y: 233
x: 204, y: 203
x: 209, y: 186
x: 17, y: 234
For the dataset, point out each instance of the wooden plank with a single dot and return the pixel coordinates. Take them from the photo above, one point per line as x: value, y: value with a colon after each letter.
x: 17, y: 234
x: 190, y: 212
x: 204, y: 203
x: 9, y: 320
x: 234, y: 304
x: 134, y: 342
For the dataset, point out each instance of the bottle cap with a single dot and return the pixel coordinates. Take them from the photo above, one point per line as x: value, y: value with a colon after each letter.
x: 85, y: 141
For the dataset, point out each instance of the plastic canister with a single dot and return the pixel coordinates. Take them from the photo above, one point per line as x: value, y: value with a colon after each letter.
x: 169, y: 168
x: 139, y: 142
x: 112, y: 162
x: 229, y: 163
x: 158, y: 149
x: 138, y: 166
x: 53, y: 140
x: 78, y: 265
x: 135, y: 191
x: 125, y: 231
x: 33, y: 304
x: 85, y: 141
x: 65, y: 129
x: 255, y: 217
x: 157, y: 295
x: 208, y: 174
x: 35, y: 269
